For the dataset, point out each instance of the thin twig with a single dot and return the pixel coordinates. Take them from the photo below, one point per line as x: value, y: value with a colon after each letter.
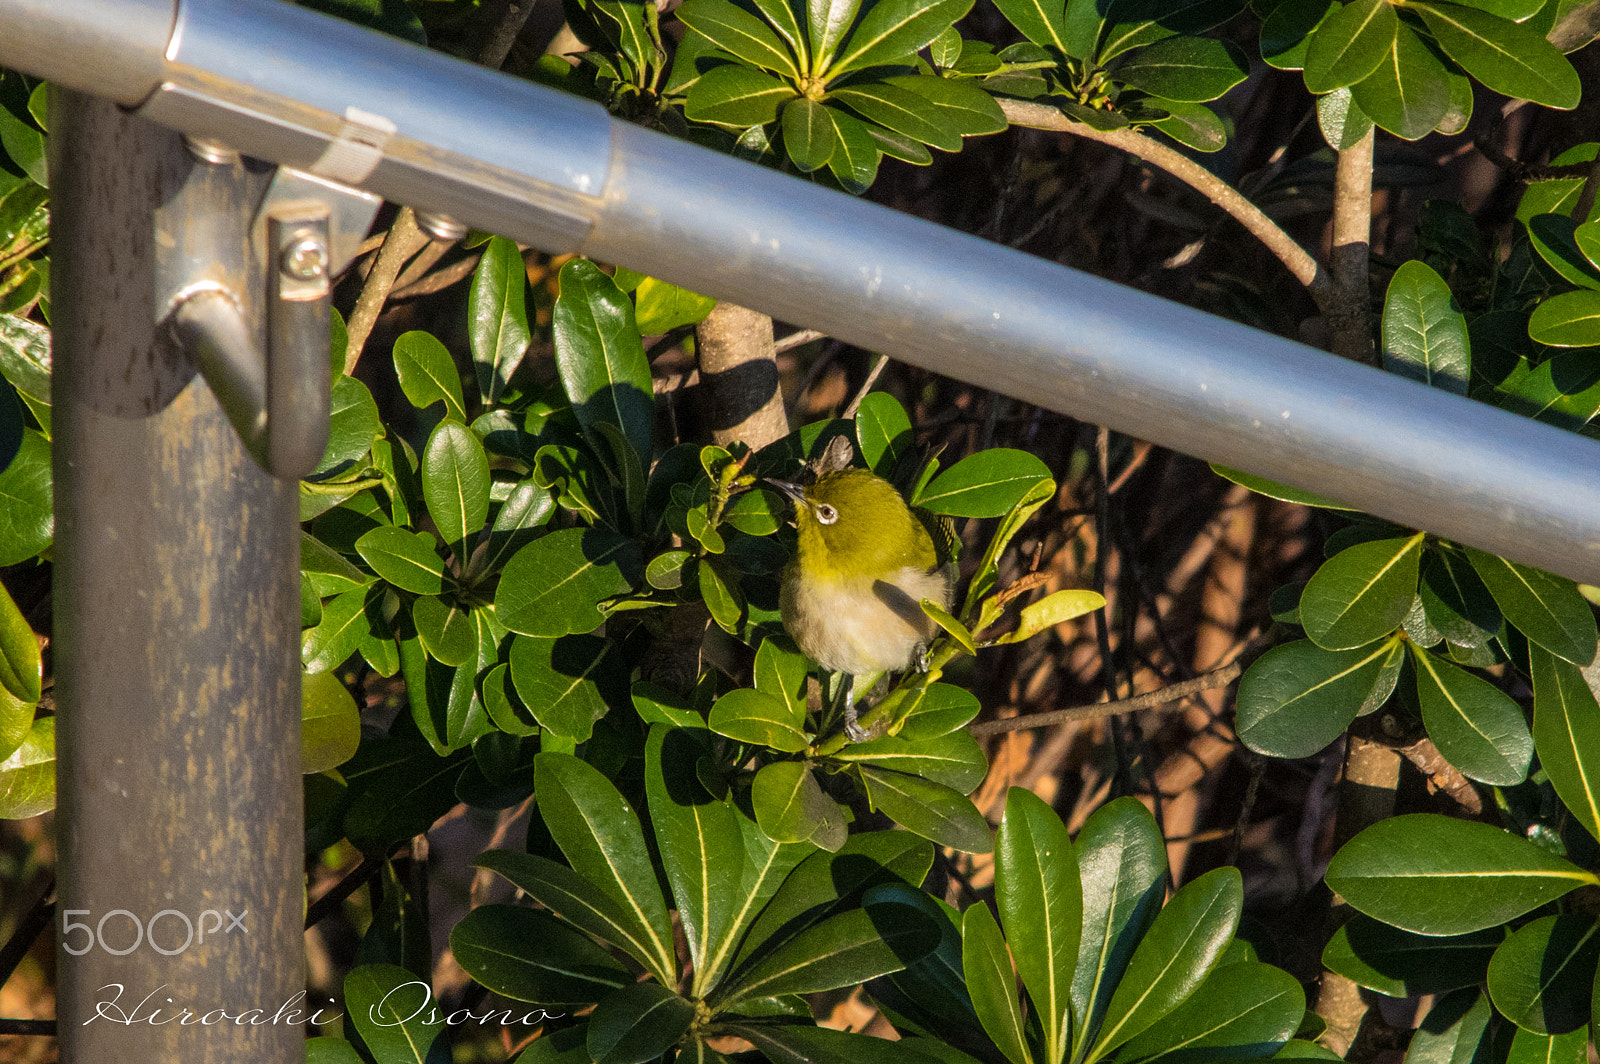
x: 866, y: 386
x: 1177, y: 692
x: 341, y: 890
x: 438, y: 280
x: 1521, y: 171
x: 35, y: 1027
x: 799, y: 338
x: 21, y: 940
x: 403, y: 241
x: 1297, y: 259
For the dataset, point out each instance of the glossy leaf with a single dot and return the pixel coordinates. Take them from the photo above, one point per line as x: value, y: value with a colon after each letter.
x: 986, y: 484
x: 702, y: 849
x: 660, y: 307
x: 27, y: 521
x: 1554, y: 237
x: 1044, y: 22
x: 1409, y: 92
x: 1566, y: 731
x: 28, y: 774
x: 1453, y: 1030
x: 1122, y: 863
x: 1405, y: 964
x: 930, y: 809
x: 1248, y: 1009
x: 1570, y: 319
x: 993, y: 985
x: 740, y: 34
x: 941, y: 710
x: 809, y: 135
x: 498, y: 316
x: 529, y: 955
x: 904, y: 112
x: 344, y: 624
x: 1545, y: 608
x: 599, y: 833
x: 807, y: 1044
x: 890, y: 30
x: 1507, y: 57
x: 559, y: 680
x: 1183, y: 945
x: 1456, y: 601
x: 1438, y: 876
x: 427, y: 373
x: 1350, y: 45
x: 637, y: 1024
x: 737, y: 96
x: 1297, y: 698
x: 1186, y: 69
x: 554, y: 585
x: 1040, y: 898
x: 389, y: 1007
x: 407, y: 560
x: 21, y: 665
x: 1527, y: 1047
x: 1542, y: 976
x: 1362, y: 593
x: 1477, y: 727
x: 1055, y: 608
x: 601, y: 359
x: 781, y: 672
x: 955, y: 760
x: 790, y: 806
x: 455, y: 484
x: 1424, y: 333
x: 1193, y: 125
x: 330, y: 725
x: 827, y: 22
x: 958, y: 104
x: 855, y: 158
x: 1274, y: 490
x: 1341, y: 119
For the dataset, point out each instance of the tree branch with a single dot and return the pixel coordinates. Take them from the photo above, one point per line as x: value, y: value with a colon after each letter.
x: 1297, y: 259
x: 1149, y: 700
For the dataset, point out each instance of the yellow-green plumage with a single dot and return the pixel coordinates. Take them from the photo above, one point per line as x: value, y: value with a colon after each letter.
x: 851, y: 596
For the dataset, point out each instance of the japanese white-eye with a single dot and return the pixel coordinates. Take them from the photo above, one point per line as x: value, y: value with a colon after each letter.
x: 851, y: 596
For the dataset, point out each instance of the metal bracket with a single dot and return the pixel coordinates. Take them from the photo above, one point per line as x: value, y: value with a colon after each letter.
x: 305, y: 230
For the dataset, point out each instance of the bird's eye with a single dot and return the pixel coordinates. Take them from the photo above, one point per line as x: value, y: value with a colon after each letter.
x: 827, y: 514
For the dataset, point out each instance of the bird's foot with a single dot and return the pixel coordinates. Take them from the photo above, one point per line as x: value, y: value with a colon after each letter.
x: 854, y: 730
x: 922, y: 657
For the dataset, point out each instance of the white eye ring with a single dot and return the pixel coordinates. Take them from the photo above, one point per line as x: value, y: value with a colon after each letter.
x: 827, y: 514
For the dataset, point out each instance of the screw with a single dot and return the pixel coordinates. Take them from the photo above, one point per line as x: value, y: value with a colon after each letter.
x: 305, y: 258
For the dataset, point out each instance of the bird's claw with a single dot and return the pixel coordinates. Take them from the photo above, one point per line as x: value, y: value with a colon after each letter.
x: 854, y: 730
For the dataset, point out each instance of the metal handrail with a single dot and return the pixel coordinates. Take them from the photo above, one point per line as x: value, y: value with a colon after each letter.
x: 420, y: 128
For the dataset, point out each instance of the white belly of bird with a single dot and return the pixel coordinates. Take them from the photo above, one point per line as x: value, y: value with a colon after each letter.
x: 864, y: 625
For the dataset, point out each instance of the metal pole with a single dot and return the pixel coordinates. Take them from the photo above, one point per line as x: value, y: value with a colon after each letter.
x: 546, y: 168
x: 177, y: 604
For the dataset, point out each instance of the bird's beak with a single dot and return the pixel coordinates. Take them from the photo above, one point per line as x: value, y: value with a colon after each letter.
x: 794, y: 491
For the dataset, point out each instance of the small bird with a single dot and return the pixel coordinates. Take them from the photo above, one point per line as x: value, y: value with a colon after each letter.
x: 851, y: 596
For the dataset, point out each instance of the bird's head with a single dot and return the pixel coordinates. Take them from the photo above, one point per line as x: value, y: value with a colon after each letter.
x: 854, y: 523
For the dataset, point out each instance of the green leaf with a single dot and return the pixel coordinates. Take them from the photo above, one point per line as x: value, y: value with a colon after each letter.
x: 1554, y: 237
x: 805, y: 1044
x: 1239, y: 1005
x: 1058, y: 607
x: 955, y: 628
x: 28, y: 774
x: 1409, y: 92
x: 1424, y: 333
x: 856, y: 157
x: 529, y: 955
x: 660, y: 307
x: 783, y: 18
x: 21, y: 665
x: 904, y: 112
x: 1040, y: 897
x: 1528, y: 1047
x: 790, y: 806
x: 528, y: 507
x: 1566, y: 732
x: 1273, y: 490
x: 1362, y: 593
x: 1183, y: 945
x: 1474, y: 724
x: 408, y: 560
x: 563, y: 681
x: 637, y: 1024
x: 575, y: 899
x: 427, y: 373
x: 930, y: 809
x: 455, y: 484
x: 882, y: 936
x: 740, y: 34
x: 25, y: 358
x: 1122, y: 863
x: 344, y: 625
x: 27, y: 521
x: 1569, y: 319
x: 827, y: 22
x: 553, y: 585
x: 1438, y: 876
x: 702, y: 848
x: 1542, y: 976
x: 330, y: 724
x: 353, y: 425
x: 1456, y: 601
x: 890, y: 30
x: 809, y: 135
x: 330, y: 1050
x: 737, y: 96
x: 992, y: 984
x: 1186, y: 69
x: 957, y: 103
x: 1341, y: 119
x: 955, y: 760
x: 1350, y: 44
x: 1453, y: 1030
x: 389, y: 1007
x: 16, y: 718
x: 1545, y: 608
x: 1193, y: 125
x: 1404, y: 964
x: 986, y: 484
x: 1287, y: 30
x: 1044, y: 22
x: 1297, y: 698
x: 599, y: 833
x: 941, y: 710
x: 751, y: 716
x: 601, y: 359
x: 1507, y: 57
x: 498, y: 316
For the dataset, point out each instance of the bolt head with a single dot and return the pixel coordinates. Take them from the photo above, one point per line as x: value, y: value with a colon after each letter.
x: 305, y: 258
